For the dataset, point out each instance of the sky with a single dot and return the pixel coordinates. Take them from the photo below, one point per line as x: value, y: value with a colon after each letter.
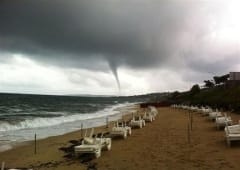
x: 116, y: 47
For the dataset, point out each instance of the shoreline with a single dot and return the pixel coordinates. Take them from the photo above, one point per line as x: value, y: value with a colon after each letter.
x: 57, y: 141
x: 122, y: 111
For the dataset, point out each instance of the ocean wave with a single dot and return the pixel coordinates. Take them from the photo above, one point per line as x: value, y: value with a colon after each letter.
x: 38, y: 114
x: 47, y: 122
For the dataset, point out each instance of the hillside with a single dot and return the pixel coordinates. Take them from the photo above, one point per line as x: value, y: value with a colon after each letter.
x: 216, y: 97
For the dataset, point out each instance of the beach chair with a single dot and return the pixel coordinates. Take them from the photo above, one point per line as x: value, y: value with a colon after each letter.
x: 137, y: 122
x: 214, y: 115
x: 222, y: 121
x: 148, y: 116
x: 92, y: 145
x: 194, y: 108
x: 123, y: 124
x: 206, y: 111
x: 153, y: 110
x: 232, y: 133
x: 120, y: 131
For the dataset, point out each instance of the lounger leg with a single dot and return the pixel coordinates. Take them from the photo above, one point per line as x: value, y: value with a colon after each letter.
x: 228, y: 143
x: 98, y: 153
x: 125, y: 136
x: 130, y: 132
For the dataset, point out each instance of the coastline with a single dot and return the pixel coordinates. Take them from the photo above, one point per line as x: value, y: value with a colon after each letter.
x: 118, y: 112
x: 162, y: 144
x: 48, y: 148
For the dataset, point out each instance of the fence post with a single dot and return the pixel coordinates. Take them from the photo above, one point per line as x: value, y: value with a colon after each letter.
x: 35, y: 144
x: 81, y: 129
x: 3, y: 165
x: 106, y: 122
x: 191, y: 121
x: 188, y: 134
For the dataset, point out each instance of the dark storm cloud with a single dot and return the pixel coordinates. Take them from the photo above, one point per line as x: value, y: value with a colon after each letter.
x: 134, y: 33
x: 84, y: 33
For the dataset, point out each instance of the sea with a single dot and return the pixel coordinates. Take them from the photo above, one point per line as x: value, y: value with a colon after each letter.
x: 22, y: 115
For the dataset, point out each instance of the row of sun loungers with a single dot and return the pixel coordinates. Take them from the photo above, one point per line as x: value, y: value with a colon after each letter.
x: 232, y: 132
x: 95, y: 145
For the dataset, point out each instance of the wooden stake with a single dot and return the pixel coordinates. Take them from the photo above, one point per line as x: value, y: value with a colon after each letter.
x: 81, y: 129
x: 3, y: 165
x: 35, y: 144
x: 188, y: 134
x: 189, y: 115
x: 106, y: 122
x: 191, y: 121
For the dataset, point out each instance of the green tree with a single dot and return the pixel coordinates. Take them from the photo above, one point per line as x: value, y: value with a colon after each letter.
x: 221, y: 79
x: 195, y: 89
x: 208, y: 83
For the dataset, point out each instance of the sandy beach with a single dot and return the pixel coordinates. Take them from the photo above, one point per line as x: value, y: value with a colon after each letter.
x: 162, y: 144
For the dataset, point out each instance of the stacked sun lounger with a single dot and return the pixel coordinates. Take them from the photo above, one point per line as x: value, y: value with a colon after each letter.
x: 93, y: 145
x: 137, y: 122
x: 122, y: 131
x: 223, y: 121
x: 150, y: 114
x: 214, y: 115
x: 232, y: 133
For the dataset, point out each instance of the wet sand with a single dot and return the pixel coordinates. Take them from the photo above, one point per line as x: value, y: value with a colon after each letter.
x: 162, y: 144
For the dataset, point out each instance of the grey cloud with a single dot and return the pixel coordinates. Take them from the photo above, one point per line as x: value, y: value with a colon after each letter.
x: 134, y: 33
x: 85, y: 33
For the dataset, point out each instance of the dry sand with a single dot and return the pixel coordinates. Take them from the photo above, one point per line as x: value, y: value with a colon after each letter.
x: 162, y: 144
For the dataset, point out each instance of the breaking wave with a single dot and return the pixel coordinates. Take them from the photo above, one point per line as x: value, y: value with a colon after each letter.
x: 53, y: 121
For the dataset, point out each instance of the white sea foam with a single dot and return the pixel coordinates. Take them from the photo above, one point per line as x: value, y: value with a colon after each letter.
x: 11, y: 135
x: 48, y: 122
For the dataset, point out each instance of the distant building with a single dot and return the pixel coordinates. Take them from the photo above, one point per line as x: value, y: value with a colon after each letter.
x: 234, y: 79
x: 234, y: 76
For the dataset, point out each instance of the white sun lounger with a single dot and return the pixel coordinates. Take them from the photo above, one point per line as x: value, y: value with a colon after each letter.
x: 214, y: 115
x: 223, y: 121
x: 120, y: 131
x: 194, y: 108
x: 148, y: 117
x: 93, y: 145
x: 153, y: 110
x: 124, y: 125
x: 206, y: 111
x: 137, y: 123
x: 232, y: 133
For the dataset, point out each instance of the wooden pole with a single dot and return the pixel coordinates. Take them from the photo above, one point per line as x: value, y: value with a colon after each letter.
x: 189, y: 143
x: 189, y: 114
x: 106, y: 122
x: 35, y: 144
x: 3, y: 165
x: 191, y: 121
x: 188, y: 134
x: 81, y: 129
